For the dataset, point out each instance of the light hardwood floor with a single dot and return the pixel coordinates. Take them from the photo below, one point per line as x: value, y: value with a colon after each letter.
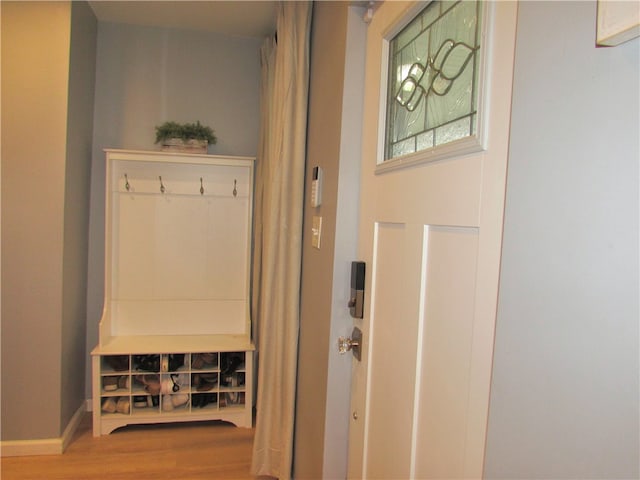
x: 186, y: 451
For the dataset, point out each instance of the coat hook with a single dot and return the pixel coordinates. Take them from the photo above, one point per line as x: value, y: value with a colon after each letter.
x: 201, y: 187
x: 126, y: 182
x: 235, y: 189
x: 161, y: 185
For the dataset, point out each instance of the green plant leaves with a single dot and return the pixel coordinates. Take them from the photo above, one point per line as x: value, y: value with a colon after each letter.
x: 185, y: 131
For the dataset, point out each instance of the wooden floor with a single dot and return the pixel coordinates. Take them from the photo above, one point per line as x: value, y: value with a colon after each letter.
x: 186, y: 451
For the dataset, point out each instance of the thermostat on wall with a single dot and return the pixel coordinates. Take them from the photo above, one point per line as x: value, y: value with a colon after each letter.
x: 316, y: 187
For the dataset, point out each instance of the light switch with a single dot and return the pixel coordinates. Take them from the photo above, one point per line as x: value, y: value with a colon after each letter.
x: 316, y: 230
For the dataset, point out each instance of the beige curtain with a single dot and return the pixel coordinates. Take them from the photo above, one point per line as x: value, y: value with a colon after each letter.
x: 278, y: 235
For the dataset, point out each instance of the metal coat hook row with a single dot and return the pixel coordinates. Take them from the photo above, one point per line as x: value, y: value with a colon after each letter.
x: 163, y: 189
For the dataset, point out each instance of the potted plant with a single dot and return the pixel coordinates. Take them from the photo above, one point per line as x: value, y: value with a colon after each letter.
x: 185, y: 137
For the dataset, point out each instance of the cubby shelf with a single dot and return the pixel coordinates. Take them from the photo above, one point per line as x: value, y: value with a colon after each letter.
x: 162, y: 392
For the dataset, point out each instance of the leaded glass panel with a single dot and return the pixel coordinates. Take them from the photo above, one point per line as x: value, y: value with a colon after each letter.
x: 433, y: 78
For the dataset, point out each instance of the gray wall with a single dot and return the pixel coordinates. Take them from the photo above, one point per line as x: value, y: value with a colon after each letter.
x: 147, y: 75
x: 45, y: 164
x: 84, y: 28
x: 564, y: 400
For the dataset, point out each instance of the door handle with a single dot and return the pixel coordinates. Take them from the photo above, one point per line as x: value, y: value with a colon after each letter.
x: 353, y: 343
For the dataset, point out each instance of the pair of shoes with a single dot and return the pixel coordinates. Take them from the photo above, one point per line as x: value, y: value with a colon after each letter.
x: 233, y: 398
x: 179, y: 399
x: 111, y: 383
x: 176, y: 360
x: 209, y: 358
x: 116, y: 404
x: 123, y: 405
x: 119, y: 363
x: 109, y: 405
x: 149, y: 363
x: 169, y: 385
x: 203, y: 399
x: 124, y: 382
x: 230, y: 364
x: 203, y: 382
x: 151, y: 383
x: 233, y: 380
x: 169, y: 402
x: 142, y: 401
x: 174, y: 382
x: 202, y: 360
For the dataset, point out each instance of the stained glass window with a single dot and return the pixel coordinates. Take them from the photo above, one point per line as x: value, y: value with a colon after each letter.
x: 433, y: 78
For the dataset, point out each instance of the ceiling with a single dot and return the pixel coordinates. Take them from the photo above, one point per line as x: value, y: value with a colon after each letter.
x: 239, y: 17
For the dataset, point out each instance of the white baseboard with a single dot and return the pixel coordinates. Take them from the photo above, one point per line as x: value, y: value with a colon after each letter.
x: 20, y: 448
x: 72, y: 426
x: 44, y: 446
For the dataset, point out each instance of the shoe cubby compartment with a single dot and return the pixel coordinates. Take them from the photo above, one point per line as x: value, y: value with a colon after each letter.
x: 143, y: 403
x: 204, y: 401
x: 175, y: 333
x: 112, y: 364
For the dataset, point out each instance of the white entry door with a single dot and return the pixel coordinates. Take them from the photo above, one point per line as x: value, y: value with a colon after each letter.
x: 430, y: 234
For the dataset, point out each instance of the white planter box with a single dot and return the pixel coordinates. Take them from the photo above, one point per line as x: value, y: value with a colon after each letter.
x: 185, y: 146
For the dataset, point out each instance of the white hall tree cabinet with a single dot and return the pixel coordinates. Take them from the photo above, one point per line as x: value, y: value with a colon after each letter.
x: 175, y: 333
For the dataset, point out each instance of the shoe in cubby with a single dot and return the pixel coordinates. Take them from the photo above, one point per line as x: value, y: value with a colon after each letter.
x: 175, y: 362
x: 231, y: 399
x: 202, y: 400
x: 233, y: 380
x: 142, y: 401
x: 174, y: 383
x: 171, y: 402
x: 203, y: 382
x: 204, y: 361
x: 123, y: 405
x: 147, y: 363
x: 230, y: 362
x: 116, y: 363
x: 109, y: 404
x: 150, y: 383
x: 110, y: 383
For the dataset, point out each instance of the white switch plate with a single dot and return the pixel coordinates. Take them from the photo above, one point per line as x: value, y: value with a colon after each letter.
x: 316, y: 231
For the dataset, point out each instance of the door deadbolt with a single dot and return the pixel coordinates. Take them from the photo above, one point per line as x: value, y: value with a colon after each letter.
x: 353, y: 343
x: 356, y: 299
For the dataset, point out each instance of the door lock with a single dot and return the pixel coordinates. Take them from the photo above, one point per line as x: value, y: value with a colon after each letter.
x: 356, y: 300
x: 353, y: 343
